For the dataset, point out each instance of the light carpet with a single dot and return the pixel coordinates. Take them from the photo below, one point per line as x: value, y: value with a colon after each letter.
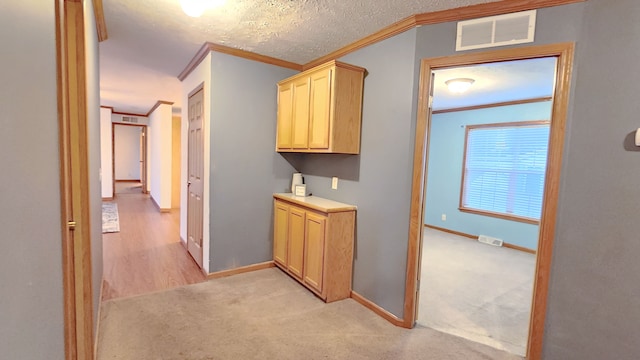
x: 476, y: 291
x: 110, y: 219
x: 264, y: 315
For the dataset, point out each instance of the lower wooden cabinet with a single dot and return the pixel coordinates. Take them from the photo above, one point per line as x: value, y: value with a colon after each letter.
x: 280, y: 232
x: 314, y: 244
x: 314, y: 250
x: 296, y: 241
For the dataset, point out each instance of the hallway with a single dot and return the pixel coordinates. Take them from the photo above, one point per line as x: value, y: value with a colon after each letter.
x: 128, y: 187
x: 146, y: 255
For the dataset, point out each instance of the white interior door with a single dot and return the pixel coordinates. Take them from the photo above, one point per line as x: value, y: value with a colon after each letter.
x: 195, y: 176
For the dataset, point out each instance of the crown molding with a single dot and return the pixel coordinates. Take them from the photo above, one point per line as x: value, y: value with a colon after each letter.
x: 101, y: 25
x: 208, y: 47
x: 155, y: 106
x: 457, y: 14
x: 158, y: 103
x: 387, y: 32
x: 487, y: 9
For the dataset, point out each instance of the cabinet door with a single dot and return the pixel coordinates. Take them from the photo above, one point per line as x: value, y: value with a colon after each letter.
x: 314, y: 250
x: 320, y: 110
x: 301, y: 114
x: 285, y: 113
x: 280, y: 232
x: 296, y: 241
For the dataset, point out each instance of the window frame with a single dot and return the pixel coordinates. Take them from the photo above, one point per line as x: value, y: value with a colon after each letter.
x: 500, y: 215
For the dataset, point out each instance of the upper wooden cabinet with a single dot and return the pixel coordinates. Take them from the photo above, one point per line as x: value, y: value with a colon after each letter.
x: 320, y: 110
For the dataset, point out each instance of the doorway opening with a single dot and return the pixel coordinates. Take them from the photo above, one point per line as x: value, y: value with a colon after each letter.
x: 485, y: 184
x: 129, y: 154
x: 563, y: 53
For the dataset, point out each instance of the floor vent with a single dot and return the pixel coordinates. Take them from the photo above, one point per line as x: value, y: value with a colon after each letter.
x: 490, y: 240
x: 508, y: 29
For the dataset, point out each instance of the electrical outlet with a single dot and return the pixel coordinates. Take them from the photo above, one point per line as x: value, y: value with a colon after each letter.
x: 444, y: 217
x: 334, y: 183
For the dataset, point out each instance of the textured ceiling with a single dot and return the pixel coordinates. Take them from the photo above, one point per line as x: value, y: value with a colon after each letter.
x: 151, y: 41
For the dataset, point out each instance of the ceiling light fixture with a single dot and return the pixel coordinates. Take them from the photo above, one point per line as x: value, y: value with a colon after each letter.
x: 195, y: 8
x: 459, y: 85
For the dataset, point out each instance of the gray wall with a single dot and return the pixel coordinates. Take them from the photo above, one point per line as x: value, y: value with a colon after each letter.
x: 245, y: 169
x: 93, y: 133
x: 378, y: 180
x: 593, y: 311
x: 593, y: 308
x: 31, y: 321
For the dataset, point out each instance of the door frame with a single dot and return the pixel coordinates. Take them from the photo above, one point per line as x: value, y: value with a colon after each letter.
x: 564, y: 52
x: 143, y: 156
x: 74, y: 181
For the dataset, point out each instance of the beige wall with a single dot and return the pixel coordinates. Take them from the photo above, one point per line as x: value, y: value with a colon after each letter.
x: 175, y: 162
x: 159, y: 133
x: 106, y: 155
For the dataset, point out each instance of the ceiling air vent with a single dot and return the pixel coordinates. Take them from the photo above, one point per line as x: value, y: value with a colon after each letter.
x: 508, y: 29
x: 130, y: 119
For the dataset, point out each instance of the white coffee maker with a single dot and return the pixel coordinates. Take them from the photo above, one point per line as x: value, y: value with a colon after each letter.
x: 297, y: 180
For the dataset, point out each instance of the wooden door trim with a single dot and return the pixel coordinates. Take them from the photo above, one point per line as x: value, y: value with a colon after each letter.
x: 74, y: 181
x: 68, y: 283
x: 564, y: 53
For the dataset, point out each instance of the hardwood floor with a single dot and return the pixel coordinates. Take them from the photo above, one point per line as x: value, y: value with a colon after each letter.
x: 128, y: 187
x: 146, y: 255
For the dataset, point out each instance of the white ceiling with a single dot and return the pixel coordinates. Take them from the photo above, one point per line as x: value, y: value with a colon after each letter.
x: 151, y: 41
x: 496, y: 82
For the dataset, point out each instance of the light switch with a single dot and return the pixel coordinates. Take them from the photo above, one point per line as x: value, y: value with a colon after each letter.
x: 334, y: 183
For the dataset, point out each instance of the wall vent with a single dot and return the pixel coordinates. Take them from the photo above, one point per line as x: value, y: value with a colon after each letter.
x: 490, y: 240
x: 500, y: 30
x: 130, y: 119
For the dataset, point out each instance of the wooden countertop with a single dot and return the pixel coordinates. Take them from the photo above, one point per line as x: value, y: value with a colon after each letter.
x: 316, y: 203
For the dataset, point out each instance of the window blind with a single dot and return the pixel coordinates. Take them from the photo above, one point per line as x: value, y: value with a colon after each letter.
x: 505, y: 167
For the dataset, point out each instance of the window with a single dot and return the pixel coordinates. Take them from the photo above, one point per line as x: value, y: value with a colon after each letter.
x: 504, y: 168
